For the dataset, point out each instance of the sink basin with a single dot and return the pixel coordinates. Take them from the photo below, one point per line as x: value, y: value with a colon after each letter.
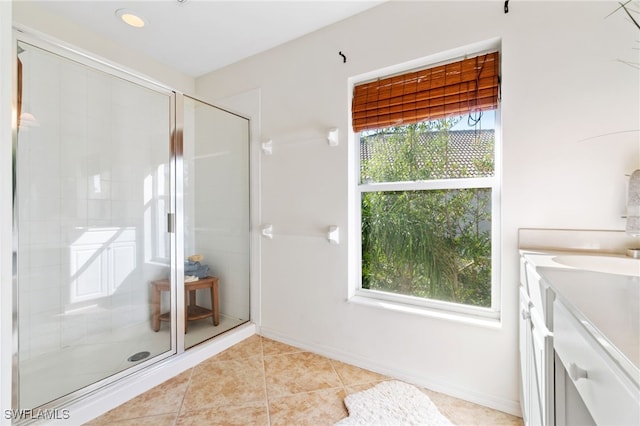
x: 595, y: 263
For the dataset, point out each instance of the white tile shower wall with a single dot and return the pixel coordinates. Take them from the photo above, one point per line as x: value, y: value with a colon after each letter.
x: 82, y: 201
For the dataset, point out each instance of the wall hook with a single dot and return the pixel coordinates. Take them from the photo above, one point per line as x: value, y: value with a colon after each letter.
x: 506, y: 6
x: 333, y: 137
x: 267, y: 231
x: 334, y: 234
x: 344, y: 58
x: 267, y: 147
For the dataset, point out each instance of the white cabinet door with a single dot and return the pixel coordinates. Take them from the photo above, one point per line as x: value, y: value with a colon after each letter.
x: 542, y: 400
x: 525, y: 356
x: 89, y: 272
x: 100, y: 262
x: 122, y: 263
x: 536, y: 363
x: 569, y: 406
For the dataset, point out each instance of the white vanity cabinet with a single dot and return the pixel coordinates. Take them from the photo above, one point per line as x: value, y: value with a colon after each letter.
x: 579, y: 345
x: 536, y: 349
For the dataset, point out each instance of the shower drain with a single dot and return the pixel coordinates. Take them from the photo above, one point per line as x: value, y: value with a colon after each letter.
x: 138, y: 356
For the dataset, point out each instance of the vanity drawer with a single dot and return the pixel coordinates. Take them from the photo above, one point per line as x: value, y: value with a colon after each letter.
x: 610, y: 396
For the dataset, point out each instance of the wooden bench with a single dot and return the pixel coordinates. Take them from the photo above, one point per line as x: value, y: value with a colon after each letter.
x: 191, y: 310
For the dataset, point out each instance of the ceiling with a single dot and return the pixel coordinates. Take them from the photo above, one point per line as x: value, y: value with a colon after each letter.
x: 199, y: 36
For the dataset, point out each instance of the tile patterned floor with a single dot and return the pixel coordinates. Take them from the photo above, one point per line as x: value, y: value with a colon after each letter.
x: 263, y: 382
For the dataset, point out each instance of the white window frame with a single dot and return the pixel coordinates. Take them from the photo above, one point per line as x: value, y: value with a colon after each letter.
x: 407, y: 303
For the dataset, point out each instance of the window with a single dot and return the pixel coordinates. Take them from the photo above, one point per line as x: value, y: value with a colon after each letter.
x: 428, y: 186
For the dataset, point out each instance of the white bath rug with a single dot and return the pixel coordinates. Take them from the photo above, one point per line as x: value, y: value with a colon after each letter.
x: 392, y: 403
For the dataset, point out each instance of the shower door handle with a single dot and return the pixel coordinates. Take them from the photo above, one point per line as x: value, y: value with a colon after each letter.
x: 171, y: 223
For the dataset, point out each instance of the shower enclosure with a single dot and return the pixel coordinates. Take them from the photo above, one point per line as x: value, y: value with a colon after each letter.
x: 117, y: 180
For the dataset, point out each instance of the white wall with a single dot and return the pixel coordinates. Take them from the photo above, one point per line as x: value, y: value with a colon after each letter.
x: 562, y: 87
x: 27, y: 14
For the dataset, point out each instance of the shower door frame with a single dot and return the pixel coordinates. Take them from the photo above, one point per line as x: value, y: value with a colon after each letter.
x: 174, y: 225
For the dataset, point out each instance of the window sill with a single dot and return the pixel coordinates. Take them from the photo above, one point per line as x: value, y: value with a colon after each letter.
x: 427, y: 312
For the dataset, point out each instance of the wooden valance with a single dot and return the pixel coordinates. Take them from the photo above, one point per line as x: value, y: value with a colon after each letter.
x: 456, y: 88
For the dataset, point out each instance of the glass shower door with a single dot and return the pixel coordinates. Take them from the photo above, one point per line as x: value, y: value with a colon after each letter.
x: 92, y: 195
x: 216, y: 219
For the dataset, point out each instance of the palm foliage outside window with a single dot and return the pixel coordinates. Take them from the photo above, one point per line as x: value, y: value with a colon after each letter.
x: 426, y: 192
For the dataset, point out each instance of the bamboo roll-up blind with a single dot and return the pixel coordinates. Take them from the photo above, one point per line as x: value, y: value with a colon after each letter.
x: 457, y: 88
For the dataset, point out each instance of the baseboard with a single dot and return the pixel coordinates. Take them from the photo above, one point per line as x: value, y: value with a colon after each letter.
x: 500, y: 404
x: 115, y: 394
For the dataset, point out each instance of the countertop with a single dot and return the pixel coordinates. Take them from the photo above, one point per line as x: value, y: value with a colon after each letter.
x: 607, y: 305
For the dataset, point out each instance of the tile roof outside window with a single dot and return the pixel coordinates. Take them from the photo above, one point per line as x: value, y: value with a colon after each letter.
x: 468, y: 153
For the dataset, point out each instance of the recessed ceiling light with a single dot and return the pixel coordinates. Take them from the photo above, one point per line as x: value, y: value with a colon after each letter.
x: 129, y: 17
